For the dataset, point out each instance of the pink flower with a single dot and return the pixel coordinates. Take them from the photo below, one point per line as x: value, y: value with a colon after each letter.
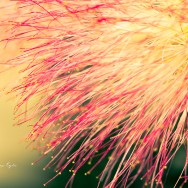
x: 105, y: 69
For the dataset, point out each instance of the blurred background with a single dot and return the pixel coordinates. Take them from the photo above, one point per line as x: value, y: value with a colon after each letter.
x: 16, y: 170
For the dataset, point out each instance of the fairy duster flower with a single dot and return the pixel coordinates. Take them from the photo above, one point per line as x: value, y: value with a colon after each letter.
x: 111, y: 78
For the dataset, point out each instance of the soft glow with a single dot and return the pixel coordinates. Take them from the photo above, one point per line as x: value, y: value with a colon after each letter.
x: 110, y: 74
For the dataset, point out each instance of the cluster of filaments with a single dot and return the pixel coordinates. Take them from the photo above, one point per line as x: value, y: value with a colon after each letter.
x: 111, y: 78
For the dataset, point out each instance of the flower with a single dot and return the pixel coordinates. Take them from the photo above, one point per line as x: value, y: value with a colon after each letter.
x: 112, y: 79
